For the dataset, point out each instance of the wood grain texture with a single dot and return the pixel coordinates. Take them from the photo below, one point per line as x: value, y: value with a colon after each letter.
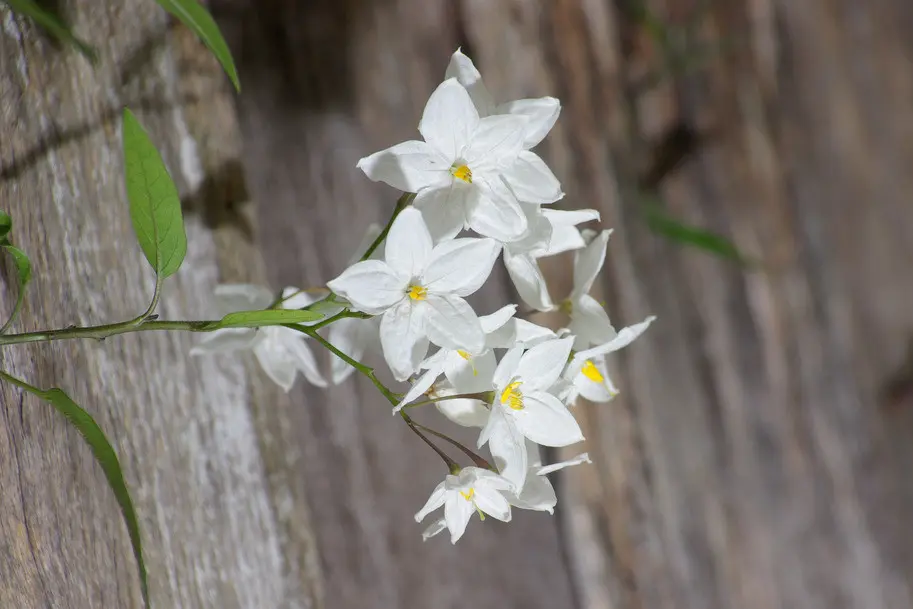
x: 205, y: 449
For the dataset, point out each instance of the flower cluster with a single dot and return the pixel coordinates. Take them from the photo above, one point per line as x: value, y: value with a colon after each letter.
x: 513, y: 380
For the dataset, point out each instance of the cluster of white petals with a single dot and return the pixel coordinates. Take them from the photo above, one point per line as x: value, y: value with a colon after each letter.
x: 514, y: 381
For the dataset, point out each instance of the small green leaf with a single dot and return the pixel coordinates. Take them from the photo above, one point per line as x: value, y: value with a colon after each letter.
x: 107, y: 459
x: 6, y: 224
x: 24, y: 269
x: 53, y: 25
x: 267, y: 317
x: 670, y: 228
x: 155, y: 207
x: 197, y: 18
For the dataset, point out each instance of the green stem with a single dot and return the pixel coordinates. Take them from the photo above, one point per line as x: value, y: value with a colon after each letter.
x: 484, y: 396
x: 401, y: 204
x: 479, y: 461
x: 452, y: 465
x: 106, y: 330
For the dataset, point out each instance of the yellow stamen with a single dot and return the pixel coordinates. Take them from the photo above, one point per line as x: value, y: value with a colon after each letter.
x: 417, y: 292
x: 566, y: 307
x: 590, y: 371
x: 468, y: 496
x: 512, y: 396
x: 464, y: 354
x: 462, y: 172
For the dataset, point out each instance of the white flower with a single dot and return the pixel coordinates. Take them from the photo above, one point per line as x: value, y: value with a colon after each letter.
x: 538, y: 493
x: 589, y: 321
x: 472, y: 490
x: 524, y: 408
x: 419, y: 289
x: 549, y: 232
x: 456, y: 171
x: 587, y: 370
x: 282, y: 352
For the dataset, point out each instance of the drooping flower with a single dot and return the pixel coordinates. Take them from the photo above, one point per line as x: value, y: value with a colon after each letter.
x: 456, y: 172
x: 282, y: 352
x: 472, y: 490
x: 589, y: 321
x: 524, y: 408
x: 419, y: 288
x: 587, y: 370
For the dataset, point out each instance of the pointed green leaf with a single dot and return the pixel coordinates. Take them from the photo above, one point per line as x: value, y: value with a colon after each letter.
x: 53, y: 25
x: 197, y: 18
x: 107, y: 459
x: 670, y: 228
x: 24, y: 269
x: 268, y: 317
x: 155, y: 207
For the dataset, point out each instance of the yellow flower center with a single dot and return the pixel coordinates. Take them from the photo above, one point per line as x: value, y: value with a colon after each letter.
x: 566, y: 307
x: 512, y: 396
x: 466, y: 355
x: 590, y: 371
x: 417, y: 292
x: 468, y: 495
x: 462, y: 172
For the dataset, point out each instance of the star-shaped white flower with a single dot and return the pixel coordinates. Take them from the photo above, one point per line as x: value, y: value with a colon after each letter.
x: 472, y: 490
x: 456, y: 171
x: 524, y: 408
x: 419, y: 290
x: 587, y: 370
x: 282, y: 352
x: 589, y: 321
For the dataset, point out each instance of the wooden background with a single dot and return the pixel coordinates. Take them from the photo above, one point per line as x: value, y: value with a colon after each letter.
x: 760, y: 453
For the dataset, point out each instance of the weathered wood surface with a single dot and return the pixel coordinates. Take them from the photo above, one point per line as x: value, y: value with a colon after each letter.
x: 754, y: 459
x: 206, y: 449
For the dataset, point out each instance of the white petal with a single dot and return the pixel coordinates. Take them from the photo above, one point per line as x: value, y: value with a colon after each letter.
x: 599, y: 390
x: 371, y: 286
x: 527, y: 277
x: 408, y: 244
x: 450, y: 119
x: 590, y: 323
x: 546, y: 421
x: 624, y: 338
x: 436, y: 500
x: 409, y: 166
x: 530, y: 334
x: 486, y: 478
x: 495, y: 144
x: 450, y: 322
x: 444, y: 208
x: 460, y: 266
x: 226, y: 341
x: 588, y: 263
x: 402, y: 338
x: 277, y: 362
x: 493, y: 503
x: 457, y: 512
x: 554, y: 467
x: 351, y: 336
x: 471, y: 375
x: 541, y: 366
x: 468, y: 413
x: 507, y: 368
x: 531, y: 179
x: 535, y: 239
x: 295, y: 298
x: 508, y: 448
x: 542, y: 114
x: 462, y: 68
x: 419, y: 387
x: 498, y: 319
x: 565, y: 235
x: 295, y: 343
x: 496, y: 213
x: 570, y: 217
x: 538, y: 494
x: 232, y: 297
x: 434, y: 528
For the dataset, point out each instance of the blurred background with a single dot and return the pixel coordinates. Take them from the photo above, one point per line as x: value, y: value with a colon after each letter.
x: 755, y: 158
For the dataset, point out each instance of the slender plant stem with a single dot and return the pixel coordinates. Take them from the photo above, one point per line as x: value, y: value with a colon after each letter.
x: 452, y: 465
x: 106, y: 330
x: 485, y: 396
x: 9, y: 378
x: 401, y: 204
x: 479, y: 461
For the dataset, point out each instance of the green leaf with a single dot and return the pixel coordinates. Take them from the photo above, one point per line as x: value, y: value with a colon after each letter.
x: 155, y: 207
x: 197, y: 18
x: 267, y: 317
x: 107, y: 459
x: 670, y: 228
x: 53, y: 25
x: 24, y: 269
x: 6, y: 224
